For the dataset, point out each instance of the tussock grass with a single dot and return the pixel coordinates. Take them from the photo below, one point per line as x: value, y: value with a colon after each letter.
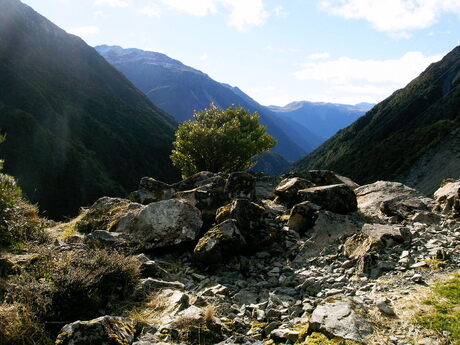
x: 445, y: 303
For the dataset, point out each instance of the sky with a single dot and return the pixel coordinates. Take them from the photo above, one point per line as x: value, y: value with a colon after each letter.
x: 278, y: 51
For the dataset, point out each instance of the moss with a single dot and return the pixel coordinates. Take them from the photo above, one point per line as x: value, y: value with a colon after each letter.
x: 320, y: 339
x: 223, y: 213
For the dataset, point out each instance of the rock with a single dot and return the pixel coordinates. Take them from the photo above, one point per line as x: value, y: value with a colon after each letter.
x: 245, y: 297
x: 342, y: 318
x: 375, y: 238
x: 383, y: 199
x: 265, y: 186
x: 250, y: 220
x: 285, y: 334
x: 162, y: 224
x: 219, y: 243
x: 337, y: 198
x: 6, y: 267
x: 148, y: 285
x: 303, y: 216
x: 203, y: 180
x: 241, y: 185
x: 151, y: 190
x: 151, y: 269
x: 174, y: 300
x: 448, y: 199
x: 102, y: 238
x: 326, y: 178
x: 328, y: 229
x: 426, y: 217
x: 103, y: 214
x: 384, y: 305
x: 108, y: 330
x: 287, y: 190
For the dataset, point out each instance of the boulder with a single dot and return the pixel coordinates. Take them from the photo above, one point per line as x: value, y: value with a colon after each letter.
x: 382, y: 199
x: 109, y: 330
x: 343, y: 318
x: 325, y: 178
x: 219, y: 243
x: 162, y: 224
x: 151, y: 190
x: 266, y: 185
x: 303, y: 216
x: 375, y: 238
x: 241, y: 185
x: 252, y: 221
x: 204, y: 180
x: 448, y: 199
x: 328, y: 231
x: 287, y: 190
x: 103, y: 238
x: 103, y: 214
x: 338, y: 198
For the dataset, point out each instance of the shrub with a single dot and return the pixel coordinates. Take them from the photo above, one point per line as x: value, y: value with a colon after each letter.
x: 220, y: 141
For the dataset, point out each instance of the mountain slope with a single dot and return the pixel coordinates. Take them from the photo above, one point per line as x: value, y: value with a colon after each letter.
x: 179, y: 90
x: 400, y: 131
x: 76, y: 127
x: 324, y: 119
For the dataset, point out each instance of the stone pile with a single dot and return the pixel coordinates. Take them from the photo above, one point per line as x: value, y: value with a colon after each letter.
x: 247, y: 259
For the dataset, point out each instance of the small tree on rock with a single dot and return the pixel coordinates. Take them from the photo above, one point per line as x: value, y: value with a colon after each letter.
x: 220, y: 140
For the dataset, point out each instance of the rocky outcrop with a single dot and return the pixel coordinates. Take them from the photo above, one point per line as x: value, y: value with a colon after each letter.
x: 275, y: 262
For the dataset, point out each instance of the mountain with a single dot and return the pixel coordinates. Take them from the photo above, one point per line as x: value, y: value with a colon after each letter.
x: 76, y: 127
x: 271, y: 163
x: 179, y: 90
x: 323, y: 119
x: 410, y: 137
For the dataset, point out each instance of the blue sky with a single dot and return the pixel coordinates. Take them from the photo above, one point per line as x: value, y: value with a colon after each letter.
x: 278, y: 51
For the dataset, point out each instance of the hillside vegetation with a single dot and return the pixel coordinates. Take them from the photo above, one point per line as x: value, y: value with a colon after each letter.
x: 76, y: 128
x: 390, y: 138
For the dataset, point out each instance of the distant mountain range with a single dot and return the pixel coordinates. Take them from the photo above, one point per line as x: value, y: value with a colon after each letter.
x: 323, y: 119
x: 180, y: 89
x: 413, y: 136
x: 76, y: 128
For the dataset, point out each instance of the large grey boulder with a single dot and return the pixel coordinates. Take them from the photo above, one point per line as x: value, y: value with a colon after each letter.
x: 382, y: 200
x: 162, y: 224
x: 343, y: 318
x: 303, y: 216
x: 338, y: 198
x: 108, y: 330
x: 448, y: 199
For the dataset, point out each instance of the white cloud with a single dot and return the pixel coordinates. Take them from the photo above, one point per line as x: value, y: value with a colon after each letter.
x: 242, y: 14
x: 280, y: 11
x: 85, y: 30
x: 204, y: 57
x: 268, y: 47
x: 393, y: 16
x: 111, y: 3
x: 319, y: 56
x: 345, y: 69
x: 198, y: 8
x: 151, y: 10
x: 352, y: 79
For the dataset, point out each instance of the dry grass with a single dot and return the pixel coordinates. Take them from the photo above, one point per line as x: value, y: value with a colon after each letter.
x: 210, y: 312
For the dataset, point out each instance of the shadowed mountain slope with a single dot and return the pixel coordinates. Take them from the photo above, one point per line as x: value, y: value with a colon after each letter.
x: 76, y: 128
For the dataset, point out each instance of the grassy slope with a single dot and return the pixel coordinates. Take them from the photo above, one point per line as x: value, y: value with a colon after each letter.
x: 76, y: 128
x: 390, y: 137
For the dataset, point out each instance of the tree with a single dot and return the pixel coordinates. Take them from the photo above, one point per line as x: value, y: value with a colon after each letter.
x: 220, y: 140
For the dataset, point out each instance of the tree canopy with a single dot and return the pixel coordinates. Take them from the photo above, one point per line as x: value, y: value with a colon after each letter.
x: 220, y: 140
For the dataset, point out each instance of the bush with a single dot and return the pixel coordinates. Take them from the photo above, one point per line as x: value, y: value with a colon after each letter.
x: 64, y: 287
x: 220, y: 141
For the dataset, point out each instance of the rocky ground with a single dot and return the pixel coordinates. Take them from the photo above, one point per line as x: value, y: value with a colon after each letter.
x: 310, y: 258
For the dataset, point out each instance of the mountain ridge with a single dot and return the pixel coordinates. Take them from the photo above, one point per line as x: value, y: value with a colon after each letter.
x: 68, y: 116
